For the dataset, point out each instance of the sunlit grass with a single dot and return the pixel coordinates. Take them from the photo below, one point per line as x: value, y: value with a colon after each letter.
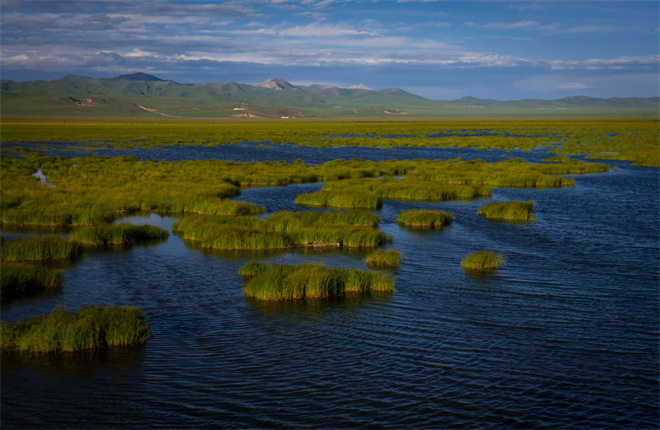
x: 511, y: 211
x: 90, y: 328
x: 483, y: 261
x: 425, y: 219
x: 117, y: 234
x: 42, y: 248
x: 380, y: 259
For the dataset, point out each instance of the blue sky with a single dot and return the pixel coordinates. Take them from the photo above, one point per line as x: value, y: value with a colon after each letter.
x: 441, y: 50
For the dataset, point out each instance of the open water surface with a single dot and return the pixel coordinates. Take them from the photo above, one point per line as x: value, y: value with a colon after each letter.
x: 564, y: 336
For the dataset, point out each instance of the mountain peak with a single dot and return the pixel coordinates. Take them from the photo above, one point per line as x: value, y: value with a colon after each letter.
x: 276, y: 84
x: 360, y: 87
x: 137, y: 77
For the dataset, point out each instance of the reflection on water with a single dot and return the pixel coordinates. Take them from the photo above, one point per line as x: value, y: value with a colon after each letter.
x: 564, y: 335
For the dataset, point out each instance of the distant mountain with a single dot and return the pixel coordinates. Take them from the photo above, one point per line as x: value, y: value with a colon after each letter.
x: 144, y: 95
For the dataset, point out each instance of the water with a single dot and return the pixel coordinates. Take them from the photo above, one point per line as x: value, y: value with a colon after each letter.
x: 564, y: 336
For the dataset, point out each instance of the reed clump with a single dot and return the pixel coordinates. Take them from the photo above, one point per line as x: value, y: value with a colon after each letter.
x: 92, y: 327
x: 483, y: 261
x: 117, y: 234
x: 425, y: 219
x: 24, y: 279
x: 42, y: 248
x: 511, y: 211
x: 313, y: 281
x: 283, y: 230
x: 340, y: 200
x: 380, y: 259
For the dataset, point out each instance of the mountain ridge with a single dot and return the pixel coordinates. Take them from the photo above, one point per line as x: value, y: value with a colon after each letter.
x: 141, y: 94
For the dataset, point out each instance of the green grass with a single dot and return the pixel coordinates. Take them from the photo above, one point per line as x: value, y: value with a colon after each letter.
x: 92, y: 327
x: 511, y: 211
x: 425, y: 219
x: 117, y: 234
x: 24, y: 279
x: 42, y: 248
x: 483, y: 261
x: 313, y: 281
x: 340, y: 200
x: 283, y: 230
x: 380, y: 259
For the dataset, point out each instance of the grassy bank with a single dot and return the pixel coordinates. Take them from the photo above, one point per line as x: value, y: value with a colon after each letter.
x: 340, y: 200
x: 313, y: 281
x: 90, y: 328
x: 117, y: 235
x: 43, y: 248
x: 511, y: 211
x: 425, y: 219
x: 483, y: 261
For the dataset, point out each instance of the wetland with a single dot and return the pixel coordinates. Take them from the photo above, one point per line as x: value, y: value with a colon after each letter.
x: 313, y: 274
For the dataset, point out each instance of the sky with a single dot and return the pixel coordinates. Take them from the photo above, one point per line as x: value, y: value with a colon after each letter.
x: 441, y: 50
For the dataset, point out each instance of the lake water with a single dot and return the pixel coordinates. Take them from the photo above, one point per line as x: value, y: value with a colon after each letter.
x: 564, y: 336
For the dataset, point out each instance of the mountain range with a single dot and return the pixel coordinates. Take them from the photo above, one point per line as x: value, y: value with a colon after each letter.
x: 144, y: 95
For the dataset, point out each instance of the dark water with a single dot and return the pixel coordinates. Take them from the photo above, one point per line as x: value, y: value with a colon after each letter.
x: 564, y: 336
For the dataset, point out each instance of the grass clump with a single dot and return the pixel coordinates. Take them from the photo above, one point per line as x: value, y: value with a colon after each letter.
x: 42, y: 248
x: 483, y: 261
x: 93, y: 327
x: 252, y: 269
x: 117, y: 234
x: 425, y: 219
x: 511, y: 211
x: 341, y: 200
x: 24, y: 279
x: 380, y: 259
x: 313, y: 281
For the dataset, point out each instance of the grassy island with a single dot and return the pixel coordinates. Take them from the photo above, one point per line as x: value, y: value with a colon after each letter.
x: 511, y: 211
x: 425, y: 219
x: 117, y: 234
x: 25, y: 279
x: 312, y: 281
x: 42, y: 248
x: 92, y: 327
x: 341, y: 200
x: 483, y: 261
x: 380, y: 259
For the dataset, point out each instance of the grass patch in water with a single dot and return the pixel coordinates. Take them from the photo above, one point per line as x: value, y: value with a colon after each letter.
x: 511, y: 211
x: 42, y: 248
x: 283, y: 230
x: 313, y: 281
x: 380, y: 259
x: 425, y: 219
x: 340, y: 200
x: 483, y: 261
x: 92, y: 327
x: 24, y: 279
x: 117, y: 234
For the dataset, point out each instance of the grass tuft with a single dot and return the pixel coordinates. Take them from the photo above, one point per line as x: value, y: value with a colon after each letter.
x: 117, y: 234
x: 425, y: 219
x: 380, y: 259
x: 42, y: 248
x: 93, y: 327
x: 511, y: 211
x: 483, y: 261
x: 24, y: 279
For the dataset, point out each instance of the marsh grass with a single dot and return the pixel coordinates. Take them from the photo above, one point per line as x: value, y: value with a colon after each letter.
x: 90, y: 328
x: 117, y: 234
x: 283, y: 230
x: 313, y: 281
x: 380, y: 259
x: 425, y: 219
x: 511, y: 211
x: 341, y: 200
x: 483, y: 261
x: 24, y: 279
x: 42, y: 248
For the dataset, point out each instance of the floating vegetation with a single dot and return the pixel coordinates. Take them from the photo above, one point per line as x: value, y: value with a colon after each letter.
x: 92, y: 327
x: 283, y: 230
x: 42, y: 248
x: 117, y: 234
x: 425, y: 219
x: 380, y: 259
x: 340, y: 200
x: 511, y: 211
x: 25, y: 279
x: 314, y: 281
x: 483, y: 261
